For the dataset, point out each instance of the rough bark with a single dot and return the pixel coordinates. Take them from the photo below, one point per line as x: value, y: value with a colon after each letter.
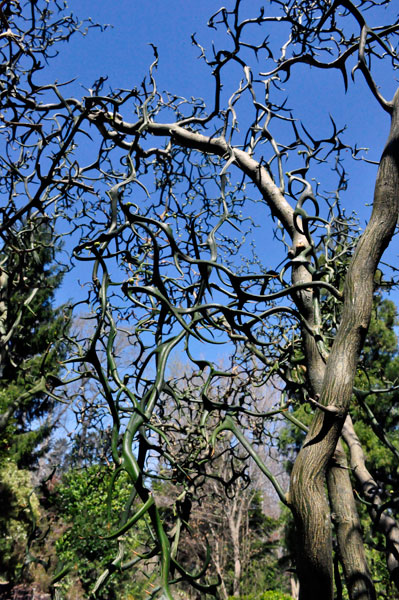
x: 308, y: 480
x: 346, y: 520
x: 382, y: 520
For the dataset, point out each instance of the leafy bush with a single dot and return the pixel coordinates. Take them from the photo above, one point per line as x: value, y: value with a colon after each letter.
x: 268, y: 595
x: 82, y: 503
x: 19, y: 509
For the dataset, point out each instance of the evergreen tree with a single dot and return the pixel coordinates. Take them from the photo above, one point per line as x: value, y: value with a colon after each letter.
x: 376, y: 415
x: 30, y: 350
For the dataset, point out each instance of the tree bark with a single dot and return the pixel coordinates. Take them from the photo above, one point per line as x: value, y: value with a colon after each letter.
x: 345, y: 517
x: 383, y: 522
x: 342, y: 503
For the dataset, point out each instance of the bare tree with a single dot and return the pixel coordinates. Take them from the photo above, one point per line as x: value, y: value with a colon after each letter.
x: 217, y: 499
x: 154, y: 213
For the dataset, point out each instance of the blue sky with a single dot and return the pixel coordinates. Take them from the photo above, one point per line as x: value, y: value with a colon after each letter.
x: 123, y: 51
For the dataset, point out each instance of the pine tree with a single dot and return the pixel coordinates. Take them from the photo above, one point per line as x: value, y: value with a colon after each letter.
x: 30, y: 357
x: 376, y: 415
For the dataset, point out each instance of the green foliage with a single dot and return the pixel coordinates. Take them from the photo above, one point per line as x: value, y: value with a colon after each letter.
x: 32, y: 351
x: 376, y: 418
x: 18, y: 502
x: 383, y: 586
x: 379, y: 368
x: 269, y: 595
x: 80, y: 500
x: 263, y: 566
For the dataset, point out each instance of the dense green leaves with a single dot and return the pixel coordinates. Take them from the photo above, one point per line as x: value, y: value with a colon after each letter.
x: 19, y: 509
x: 376, y: 415
x: 81, y: 502
x: 269, y: 595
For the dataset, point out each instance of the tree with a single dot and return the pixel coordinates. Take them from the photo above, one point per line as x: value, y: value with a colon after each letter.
x: 33, y: 344
x: 153, y: 211
x: 224, y: 510
x: 32, y: 348
x: 81, y: 508
x: 244, y: 541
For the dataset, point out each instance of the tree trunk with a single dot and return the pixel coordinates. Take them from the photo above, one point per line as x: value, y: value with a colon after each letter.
x: 383, y: 522
x: 308, y: 480
x: 234, y: 521
x: 344, y: 512
x: 348, y: 528
x: 220, y: 570
x: 294, y: 587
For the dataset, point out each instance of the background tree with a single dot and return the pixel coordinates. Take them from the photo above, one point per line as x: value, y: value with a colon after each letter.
x: 34, y: 346
x: 224, y: 505
x: 83, y: 512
